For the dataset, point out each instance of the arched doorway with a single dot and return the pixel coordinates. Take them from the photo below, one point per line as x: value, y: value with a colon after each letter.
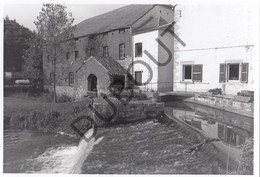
x: 92, y: 83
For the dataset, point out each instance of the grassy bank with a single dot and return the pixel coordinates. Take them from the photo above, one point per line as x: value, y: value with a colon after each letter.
x: 44, y: 116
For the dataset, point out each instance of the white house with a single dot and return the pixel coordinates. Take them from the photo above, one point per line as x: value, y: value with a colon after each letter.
x: 153, y: 50
x: 218, y: 51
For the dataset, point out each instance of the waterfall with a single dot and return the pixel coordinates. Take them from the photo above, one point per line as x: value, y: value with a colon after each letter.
x: 68, y: 159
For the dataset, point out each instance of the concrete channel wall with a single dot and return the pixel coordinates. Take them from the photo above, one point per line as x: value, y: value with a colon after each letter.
x: 224, y: 103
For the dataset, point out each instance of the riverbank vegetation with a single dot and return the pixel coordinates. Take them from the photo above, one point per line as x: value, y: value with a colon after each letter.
x: 44, y: 116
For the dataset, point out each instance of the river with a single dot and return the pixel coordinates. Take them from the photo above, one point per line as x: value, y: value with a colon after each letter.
x: 146, y: 147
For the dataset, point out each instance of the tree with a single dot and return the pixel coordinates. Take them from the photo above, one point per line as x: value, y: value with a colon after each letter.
x: 33, y: 63
x: 54, y: 27
x: 16, y: 41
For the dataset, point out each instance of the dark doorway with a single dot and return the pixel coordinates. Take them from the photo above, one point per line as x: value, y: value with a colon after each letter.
x: 92, y: 83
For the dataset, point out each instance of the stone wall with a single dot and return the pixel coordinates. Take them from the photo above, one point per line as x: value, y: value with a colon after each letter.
x: 81, y: 80
x: 65, y: 90
x: 66, y: 61
x: 227, y: 104
x: 132, y: 111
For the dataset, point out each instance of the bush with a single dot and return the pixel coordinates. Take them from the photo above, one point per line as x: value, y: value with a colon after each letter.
x: 50, y: 117
x: 246, y: 166
x: 216, y: 91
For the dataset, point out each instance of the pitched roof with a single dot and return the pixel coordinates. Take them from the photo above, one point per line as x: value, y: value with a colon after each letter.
x: 116, y: 19
x: 109, y: 63
x: 150, y: 24
x: 112, y: 66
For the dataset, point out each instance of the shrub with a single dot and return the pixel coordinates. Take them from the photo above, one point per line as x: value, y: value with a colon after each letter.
x: 216, y: 91
x: 246, y: 166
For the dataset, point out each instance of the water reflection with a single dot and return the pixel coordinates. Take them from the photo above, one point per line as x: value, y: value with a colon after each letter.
x: 231, y: 129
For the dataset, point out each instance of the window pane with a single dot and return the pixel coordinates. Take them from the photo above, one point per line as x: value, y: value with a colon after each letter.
x: 76, y: 54
x: 138, y: 77
x: 105, y: 51
x: 233, y: 71
x: 121, y: 51
x: 71, y: 78
x: 187, y: 72
x: 138, y: 50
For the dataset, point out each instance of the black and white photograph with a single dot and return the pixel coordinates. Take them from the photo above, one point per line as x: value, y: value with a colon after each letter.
x: 130, y: 87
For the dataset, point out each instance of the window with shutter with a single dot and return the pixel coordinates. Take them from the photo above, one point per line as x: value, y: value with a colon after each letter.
x: 233, y: 72
x: 197, y: 73
x: 244, y: 72
x: 222, y: 73
x: 192, y: 73
x: 187, y: 70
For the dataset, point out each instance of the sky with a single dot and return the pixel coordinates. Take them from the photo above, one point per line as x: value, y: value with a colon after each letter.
x: 25, y: 14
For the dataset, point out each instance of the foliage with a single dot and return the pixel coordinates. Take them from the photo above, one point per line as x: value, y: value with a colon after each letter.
x: 54, y: 27
x: 48, y: 117
x: 33, y: 64
x: 246, y: 166
x: 216, y: 91
x: 55, y: 31
x: 16, y: 40
x: 33, y: 59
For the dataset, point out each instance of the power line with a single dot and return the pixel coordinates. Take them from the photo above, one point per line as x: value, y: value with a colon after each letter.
x: 215, y: 48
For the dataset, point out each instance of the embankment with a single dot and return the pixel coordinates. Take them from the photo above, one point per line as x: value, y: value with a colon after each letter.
x: 57, y: 117
x: 244, y: 108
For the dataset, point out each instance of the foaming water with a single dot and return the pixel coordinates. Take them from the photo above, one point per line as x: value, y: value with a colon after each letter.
x: 67, y: 159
